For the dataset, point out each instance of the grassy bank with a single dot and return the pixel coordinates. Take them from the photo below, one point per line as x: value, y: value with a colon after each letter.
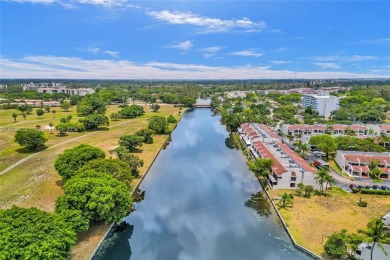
x: 312, y: 220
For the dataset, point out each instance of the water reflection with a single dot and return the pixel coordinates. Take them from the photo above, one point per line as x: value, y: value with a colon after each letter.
x: 121, y: 231
x: 199, y: 203
x: 260, y: 204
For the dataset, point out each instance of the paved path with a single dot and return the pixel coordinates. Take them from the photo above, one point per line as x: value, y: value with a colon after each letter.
x: 344, y: 183
x: 54, y: 146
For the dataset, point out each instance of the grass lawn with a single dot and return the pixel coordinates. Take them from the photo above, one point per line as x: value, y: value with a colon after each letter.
x: 314, y: 219
x: 35, y: 183
x: 334, y: 165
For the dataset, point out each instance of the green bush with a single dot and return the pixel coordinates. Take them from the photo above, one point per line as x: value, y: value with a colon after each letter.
x: 368, y: 191
x: 362, y: 204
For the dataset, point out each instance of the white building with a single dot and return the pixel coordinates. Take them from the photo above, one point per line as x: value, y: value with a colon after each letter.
x: 355, y: 163
x: 70, y: 91
x: 364, y: 252
x: 324, y: 104
x: 288, y: 169
x: 386, y: 220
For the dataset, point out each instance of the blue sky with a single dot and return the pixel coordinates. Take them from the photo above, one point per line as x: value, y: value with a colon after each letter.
x: 119, y: 39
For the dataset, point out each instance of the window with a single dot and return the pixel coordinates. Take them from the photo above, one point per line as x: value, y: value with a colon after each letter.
x: 292, y: 185
x: 293, y: 178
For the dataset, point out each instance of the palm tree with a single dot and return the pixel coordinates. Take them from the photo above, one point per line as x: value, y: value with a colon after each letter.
x: 329, y: 181
x: 320, y: 178
x: 304, y: 149
x: 286, y: 199
x: 375, y: 233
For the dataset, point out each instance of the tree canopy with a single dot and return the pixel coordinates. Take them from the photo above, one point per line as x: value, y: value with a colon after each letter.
x: 34, y: 234
x: 72, y: 159
x: 98, y: 195
x: 132, y: 111
x: 147, y: 135
x: 114, y: 167
x: 261, y: 166
x: 158, y: 124
x: 90, y: 104
x: 131, y: 141
x: 325, y: 143
x: 95, y: 120
x: 30, y: 138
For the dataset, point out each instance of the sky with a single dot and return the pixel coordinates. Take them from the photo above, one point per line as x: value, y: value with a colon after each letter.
x: 120, y: 39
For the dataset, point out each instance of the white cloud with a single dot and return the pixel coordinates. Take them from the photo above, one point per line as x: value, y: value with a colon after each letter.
x: 186, y: 45
x: 77, y: 68
x: 112, y: 53
x: 281, y: 49
x: 352, y: 58
x: 207, y: 24
x: 280, y: 61
x: 93, y: 50
x: 211, y: 51
x: 246, y: 54
x: 328, y: 65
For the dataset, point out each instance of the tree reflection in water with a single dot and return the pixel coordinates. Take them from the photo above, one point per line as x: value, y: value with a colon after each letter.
x: 122, y: 250
x: 260, y: 204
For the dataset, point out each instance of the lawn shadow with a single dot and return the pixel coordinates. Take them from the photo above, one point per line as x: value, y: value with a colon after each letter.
x: 285, y: 206
x: 60, y: 183
x: 136, y: 150
x: 29, y: 151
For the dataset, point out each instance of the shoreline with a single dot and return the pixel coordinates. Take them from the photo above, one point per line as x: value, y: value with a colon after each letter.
x: 138, y: 183
x: 295, y: 244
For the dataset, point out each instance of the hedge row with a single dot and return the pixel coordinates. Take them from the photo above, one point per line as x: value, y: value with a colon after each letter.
x: 368, y: 191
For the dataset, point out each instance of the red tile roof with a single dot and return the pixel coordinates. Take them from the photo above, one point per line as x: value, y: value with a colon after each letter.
x: 301, y: 162
x: 384, y: 127
x: 268, y: 131
x: 356, y: 168
x: 277, y: 167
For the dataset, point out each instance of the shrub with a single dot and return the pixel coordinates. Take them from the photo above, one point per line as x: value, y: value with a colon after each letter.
x: 368, y: 191
x: 95, y: 120
x: 171, y: 119
x: 362, y: 204
x: 132, y: 111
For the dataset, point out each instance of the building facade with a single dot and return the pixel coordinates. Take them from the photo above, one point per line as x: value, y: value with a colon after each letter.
x: 288, y: 169
x: 356, y: 164
x: 324, y: 104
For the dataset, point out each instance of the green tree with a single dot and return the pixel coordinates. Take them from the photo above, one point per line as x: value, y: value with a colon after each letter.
x: 29, y: 233
x: 308, y: 191
x: 320, y: 178
x: 171, y: 119
x: 130, y: 141
x: 54, y: 113
x: 65, y: 106
x: 39, y: 112
x: 32, y: 139
x: 115, y: 116
x: 188, y: 101
x: 286, y: 199
x: 73, y: 159
x: 133, y: 161
x: 375, y: 233
x: 132, y: 111
x: 158, y: 124
x: 85, y: 192
x: 74, y: 219
x: 14, y: 115
x: 95, y: 120
x: 261, y: 166
x: 325, y: 143
x: 329, y: 182
x: 51, y: 127
x: 336, y: 246
x: 155, y: 107
x: 47, y: 109
x: 147, y: 135
x: 90, y: 104
x: 24, y: 115
x: 114, y: 167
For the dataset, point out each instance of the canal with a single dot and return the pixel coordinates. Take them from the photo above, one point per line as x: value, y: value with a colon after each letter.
x: 200, y: 202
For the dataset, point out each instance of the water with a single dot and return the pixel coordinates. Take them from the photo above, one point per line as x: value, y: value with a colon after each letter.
x: 201, y: 202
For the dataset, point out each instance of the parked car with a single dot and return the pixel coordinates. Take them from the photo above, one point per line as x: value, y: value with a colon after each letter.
x: 368, y: 187
x: 376, y: 187
x: 360, y: 187
x: 385, y: 188
x: 353, y: 186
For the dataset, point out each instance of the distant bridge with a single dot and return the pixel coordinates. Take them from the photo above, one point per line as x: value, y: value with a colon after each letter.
x: 202, y: 105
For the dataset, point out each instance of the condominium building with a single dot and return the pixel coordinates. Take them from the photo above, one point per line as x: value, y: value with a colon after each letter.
x: 355, y: 163
x: 288, y: 169
x: 322, y: 103
x: 70, y: 91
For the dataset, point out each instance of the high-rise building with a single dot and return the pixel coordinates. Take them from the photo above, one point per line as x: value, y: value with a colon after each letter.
x: 323, y: 103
